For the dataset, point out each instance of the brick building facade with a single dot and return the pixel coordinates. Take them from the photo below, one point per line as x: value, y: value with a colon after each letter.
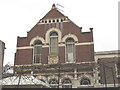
x: 57, y: 54
x: 57, y: 46
x: 54, y: 21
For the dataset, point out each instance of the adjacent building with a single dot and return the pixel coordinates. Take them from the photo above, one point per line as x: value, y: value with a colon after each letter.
x: 108, y: 68
x: 2, y: 48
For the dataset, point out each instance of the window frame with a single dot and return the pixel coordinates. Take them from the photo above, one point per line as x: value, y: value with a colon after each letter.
x: 85, y: 79
x: 53, y: 85
x: 40, y: 45
x: 50, y: 43
x: 74, y: 51
x: 66, y: 84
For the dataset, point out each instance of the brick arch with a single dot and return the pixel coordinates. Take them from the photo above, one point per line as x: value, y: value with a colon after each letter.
x: 70, y: 36
x: 37, y: 38
x: 66, y: 76
x: 51, y: 30
x: 88, y: 77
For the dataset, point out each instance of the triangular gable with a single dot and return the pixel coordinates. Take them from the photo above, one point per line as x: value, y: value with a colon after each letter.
x: 53, y: 13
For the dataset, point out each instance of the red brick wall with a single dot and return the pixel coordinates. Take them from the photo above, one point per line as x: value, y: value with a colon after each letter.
x: 62, y: 54
x: 41, y: 29
x: 24, y: 56
x: 45, y: 53
x: 84, y: 53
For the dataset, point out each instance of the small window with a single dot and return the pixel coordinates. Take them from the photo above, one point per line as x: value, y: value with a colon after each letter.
x: 37, y: 51
x: 66, y: 83
x: 70, y: 50
x: 85, y: 81
x: 53, y: 20
x: 45, y: 21
x: 53, y: 43
x: 61, y: 20
x: 53, y: 83
x: 49, y: 21
x: 57, y: 20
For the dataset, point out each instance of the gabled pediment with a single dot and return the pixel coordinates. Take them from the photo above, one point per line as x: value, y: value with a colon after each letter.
x: 53, y: 13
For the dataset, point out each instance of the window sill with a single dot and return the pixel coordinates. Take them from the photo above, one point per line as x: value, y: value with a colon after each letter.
x: 71, y: 62
x: 85, y: 86
x: 37, y: 63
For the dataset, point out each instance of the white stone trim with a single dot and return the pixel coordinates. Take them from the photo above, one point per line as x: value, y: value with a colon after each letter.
x: 64, y: 19
x: 52, y: 22
x: 109, y: 85
x: 47, y: 36
x: 104, y: 56
x: 37, y: 38
x: 116, y: 70
x: 66, y: 76
x: 25, y: 47
x: 69, y: 36
x: 42, y: 77
x: 92, y: 80
x: 85, y: 43
x: 52, y: 77
x: 60, y: 45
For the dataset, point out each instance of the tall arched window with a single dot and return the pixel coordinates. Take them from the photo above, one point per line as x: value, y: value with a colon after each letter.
x: 66, y: 83
x: 53, y: 83
x: 70, y: 50
x: 85, y: 81
x: 53, y: 43
x: 37, y: 51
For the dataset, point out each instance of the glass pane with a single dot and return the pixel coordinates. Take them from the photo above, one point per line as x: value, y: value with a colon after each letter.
x: 70, y: 40
x: 54, y: 34
x: 85, y: 82
x: 37, y: 54
x: 37, y: 42
x: 70, y: 57
x: 37, y: 49
x: 37, y: 58
x: 54, y: 45
x: 70, y: 52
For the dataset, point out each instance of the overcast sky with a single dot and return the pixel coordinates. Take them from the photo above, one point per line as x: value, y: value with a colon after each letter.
x: 19, y: 16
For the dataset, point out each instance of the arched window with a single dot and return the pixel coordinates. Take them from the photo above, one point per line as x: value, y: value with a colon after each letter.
x: 66, y: 83
x: 53, y: 83
x: 70, y: 50
x: 53, y: 43
x: 85, y: 81
x: 37, y: 51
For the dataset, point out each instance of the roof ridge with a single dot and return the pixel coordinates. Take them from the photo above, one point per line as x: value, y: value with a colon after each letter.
x: 53, y: 13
